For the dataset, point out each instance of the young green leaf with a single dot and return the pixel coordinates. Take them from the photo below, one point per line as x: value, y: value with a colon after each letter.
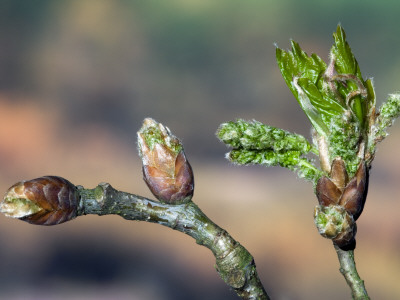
x: 345, y: 62
x: 305, y: 77
x: 353, y: 83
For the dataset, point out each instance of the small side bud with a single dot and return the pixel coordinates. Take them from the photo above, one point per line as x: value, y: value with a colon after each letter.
x: 335, y: 223
x: 166, y: 170
x: 48, y: 200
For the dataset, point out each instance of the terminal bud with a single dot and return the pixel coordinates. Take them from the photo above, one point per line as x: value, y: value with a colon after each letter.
x: 338, y: 190
x: 166, y: 170
x: 341, y: 203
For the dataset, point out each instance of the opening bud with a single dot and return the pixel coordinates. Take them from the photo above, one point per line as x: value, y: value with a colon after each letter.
x: 166, y: 170
x: 48, y: 200
x: 338, y: 190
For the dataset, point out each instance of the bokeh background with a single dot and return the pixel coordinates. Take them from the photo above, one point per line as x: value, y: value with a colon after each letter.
x: 78, y: 77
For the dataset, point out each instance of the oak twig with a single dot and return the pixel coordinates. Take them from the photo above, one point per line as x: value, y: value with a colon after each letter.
x: 349, y: 271
x: 234, y: 263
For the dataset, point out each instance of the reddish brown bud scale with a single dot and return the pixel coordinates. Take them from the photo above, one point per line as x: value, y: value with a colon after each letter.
x: 353, y: 198
x: 48, y: 200
x: 336, y: 190
x: 347, y: 239
x: 327, y: 192
x: 171, y: 187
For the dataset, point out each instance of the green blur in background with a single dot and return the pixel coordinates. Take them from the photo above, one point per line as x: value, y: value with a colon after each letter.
x: 78, y: 77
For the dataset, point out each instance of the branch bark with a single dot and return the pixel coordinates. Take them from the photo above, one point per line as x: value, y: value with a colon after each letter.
x: 234, y: 263
x: 349, y: 271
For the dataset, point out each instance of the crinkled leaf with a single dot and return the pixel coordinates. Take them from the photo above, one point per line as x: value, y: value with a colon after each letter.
x: 296, y: 63
x: 328, y: 106
x: 304, y: 76
x: 346, y: 64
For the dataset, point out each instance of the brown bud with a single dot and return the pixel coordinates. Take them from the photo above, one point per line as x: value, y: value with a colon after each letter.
x: 337, y: 190
x: 341, y: 203
x: 354, y: 195
x: 166, y: 170
x: 48, y: 200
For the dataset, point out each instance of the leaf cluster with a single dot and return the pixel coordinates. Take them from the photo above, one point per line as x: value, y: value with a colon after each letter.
x: 339, y: 103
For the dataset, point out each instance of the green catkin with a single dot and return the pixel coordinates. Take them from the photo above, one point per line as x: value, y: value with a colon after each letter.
x: 257, y: 136
x: 389, y: 111
x: 289, y: 159
x: 256, y: 143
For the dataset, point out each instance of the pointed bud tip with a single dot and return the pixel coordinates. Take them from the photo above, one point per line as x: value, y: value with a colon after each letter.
x: 153, y: 133
x: 149, y: 122
x: 16, y: 205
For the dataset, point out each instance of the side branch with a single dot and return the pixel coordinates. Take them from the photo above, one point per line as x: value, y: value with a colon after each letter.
x: 349, y: 271
x: 233, y: 262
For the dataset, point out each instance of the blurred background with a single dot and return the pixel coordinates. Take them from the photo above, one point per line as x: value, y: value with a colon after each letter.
x: 78, y: 77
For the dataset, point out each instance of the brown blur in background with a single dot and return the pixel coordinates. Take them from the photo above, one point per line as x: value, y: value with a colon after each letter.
x: 78, y: 77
